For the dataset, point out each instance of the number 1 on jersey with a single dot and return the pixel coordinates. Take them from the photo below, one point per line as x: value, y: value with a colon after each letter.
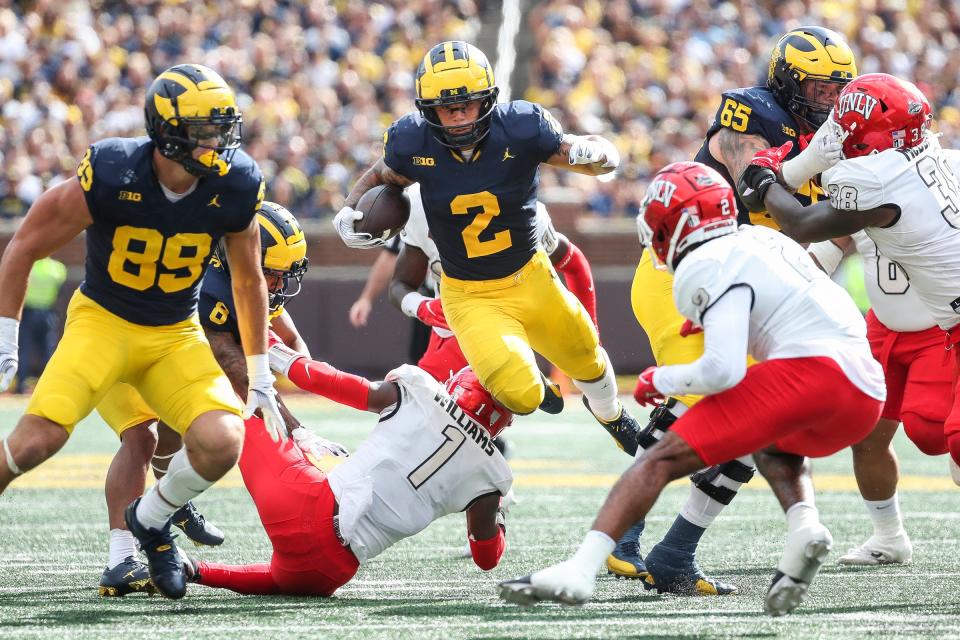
x: 454, y: 440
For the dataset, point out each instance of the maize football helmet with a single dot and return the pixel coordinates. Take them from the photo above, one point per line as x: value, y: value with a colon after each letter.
x: 808, y: 68
x: 283, y: 253
x: 456, y: 72
x: 687, y: 203
x: 190, y: 107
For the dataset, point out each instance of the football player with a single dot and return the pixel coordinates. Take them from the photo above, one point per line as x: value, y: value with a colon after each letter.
x: 477, y: 163
x: 153, y: 209
x: 430, y: 454
x: 419, y: 264
x: 893, y: 175
x: 907, y: 342
x: 814, y: 390
x: 808, y: 67
x: 284, y: 262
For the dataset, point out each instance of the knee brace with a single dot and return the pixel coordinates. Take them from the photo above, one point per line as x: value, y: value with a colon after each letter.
x: 713, y: 480
x: 661, y: 419
x: 927, y: 434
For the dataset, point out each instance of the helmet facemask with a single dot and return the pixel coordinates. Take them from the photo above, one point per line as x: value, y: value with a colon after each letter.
x: 278, y: 282
x: 475, y: 131
x: 219, y: 136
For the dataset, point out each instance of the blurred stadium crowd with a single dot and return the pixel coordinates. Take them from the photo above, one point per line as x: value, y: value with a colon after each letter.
x: 319, y: 80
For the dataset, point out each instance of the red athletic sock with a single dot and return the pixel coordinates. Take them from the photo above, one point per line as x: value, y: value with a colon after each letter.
x: 487, y: 553
x: 579, y: 278
x: 325, y: 380
x: 248, y: 579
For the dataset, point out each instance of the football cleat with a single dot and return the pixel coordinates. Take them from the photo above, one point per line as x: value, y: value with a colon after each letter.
x: 877, y: 551
x: 196, y: 527
x: 624, y: 429
x: 626, y: 560
x: 564, y: 583
x: 552, y: 398
x: 163, y: 559
x: 803, y: 555
x: 130, y: 576
x: 670, y: 571
x: 191, y: 568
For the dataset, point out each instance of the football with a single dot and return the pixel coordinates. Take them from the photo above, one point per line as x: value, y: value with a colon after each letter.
x: 386, y: 210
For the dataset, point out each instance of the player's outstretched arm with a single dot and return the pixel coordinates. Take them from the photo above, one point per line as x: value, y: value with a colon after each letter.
x: 250, y: 299
x: 569, y: 261
x: 735, y: 150
x: 820, y: 221
x: 325, y: 380
x: 408, y: 274
x: 590, y: 155
x: 55, y: 218
x: 486, y: 529
x: 377, y: 281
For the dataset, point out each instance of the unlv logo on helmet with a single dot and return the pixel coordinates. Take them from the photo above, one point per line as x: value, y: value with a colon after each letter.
x: 858, y: 103
x: 660, y: 191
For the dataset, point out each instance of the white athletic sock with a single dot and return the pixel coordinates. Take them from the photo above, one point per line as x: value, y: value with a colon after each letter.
x: 122, y: 546
x: 885, y: 514
x: 602, y: 394
x: 593, y: 552
x: 700, y: 509
x: 181, y: 484
x: 802, y: 514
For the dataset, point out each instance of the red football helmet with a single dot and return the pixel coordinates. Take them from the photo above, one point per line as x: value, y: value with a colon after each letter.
x: 686, y: 203
x: 878, y: 111
x: 465, y: 389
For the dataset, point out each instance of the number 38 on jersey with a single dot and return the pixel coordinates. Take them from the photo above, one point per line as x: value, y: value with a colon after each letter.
x: 143, y: 257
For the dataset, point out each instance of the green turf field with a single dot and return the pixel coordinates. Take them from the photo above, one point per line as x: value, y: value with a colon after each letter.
x: 53, y: 544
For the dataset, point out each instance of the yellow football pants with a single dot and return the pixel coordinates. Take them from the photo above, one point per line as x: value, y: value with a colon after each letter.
x: 171, y: 367
x: 501, y: 323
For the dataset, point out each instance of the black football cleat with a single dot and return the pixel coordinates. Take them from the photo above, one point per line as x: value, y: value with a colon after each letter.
x: 163, y: 559
x: 130, y: 576
x: 677, y: 572
x: 552, y: 398
x: 624, y: 429
x: 201, y: 533
x: 626, y: 561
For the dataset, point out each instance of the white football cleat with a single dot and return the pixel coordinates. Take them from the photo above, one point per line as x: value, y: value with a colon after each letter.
x: 955, y: 472
x: 565, y: 583
x: 803, y: 555
x: 877, y: 551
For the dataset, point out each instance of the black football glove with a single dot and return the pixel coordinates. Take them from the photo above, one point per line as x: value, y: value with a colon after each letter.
x: 753, y: 185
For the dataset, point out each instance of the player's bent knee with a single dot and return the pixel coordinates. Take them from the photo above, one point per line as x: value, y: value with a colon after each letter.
x: 214, y: 441
x: 926, y: 434
x: 522, y: 402
x: 141, y: 438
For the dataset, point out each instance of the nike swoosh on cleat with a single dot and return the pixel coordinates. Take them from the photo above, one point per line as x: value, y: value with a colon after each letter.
x: 877, y: 555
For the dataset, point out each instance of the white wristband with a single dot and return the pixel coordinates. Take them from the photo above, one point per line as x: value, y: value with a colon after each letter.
x: 9, y: 330
x: 411, y: 302
x: 258, y: 371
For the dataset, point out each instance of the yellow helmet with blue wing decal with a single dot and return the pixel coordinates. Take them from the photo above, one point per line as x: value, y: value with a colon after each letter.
x: 283, y: 252
x: 191, y: 107
x: 455, y: 72
x: 808, y: 69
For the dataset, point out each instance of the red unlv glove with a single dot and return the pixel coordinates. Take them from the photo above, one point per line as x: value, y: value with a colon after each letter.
x: 645, y: 393
x: 430, y: 312
x: 773, y: 157
x: 689, y: 328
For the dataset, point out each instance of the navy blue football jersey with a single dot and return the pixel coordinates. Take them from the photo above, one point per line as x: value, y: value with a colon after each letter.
x: 217, y: 312
x: 482, y: 211
x: 753, y: 111
x: 146, y: 255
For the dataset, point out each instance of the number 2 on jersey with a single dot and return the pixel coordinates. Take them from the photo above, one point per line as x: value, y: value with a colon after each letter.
x: 133, y: 261
x: 454, y: 440
x: 489, y: 209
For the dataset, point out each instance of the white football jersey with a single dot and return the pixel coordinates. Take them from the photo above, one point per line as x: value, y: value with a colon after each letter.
x: 924, y: 240
x: 425, y: 459
x: 797, y: 310
x: 893, y: 300
x: 417, y: 234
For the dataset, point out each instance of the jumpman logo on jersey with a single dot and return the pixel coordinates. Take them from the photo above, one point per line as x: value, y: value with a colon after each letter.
x: 214, y: 201
x: 506, y: 155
